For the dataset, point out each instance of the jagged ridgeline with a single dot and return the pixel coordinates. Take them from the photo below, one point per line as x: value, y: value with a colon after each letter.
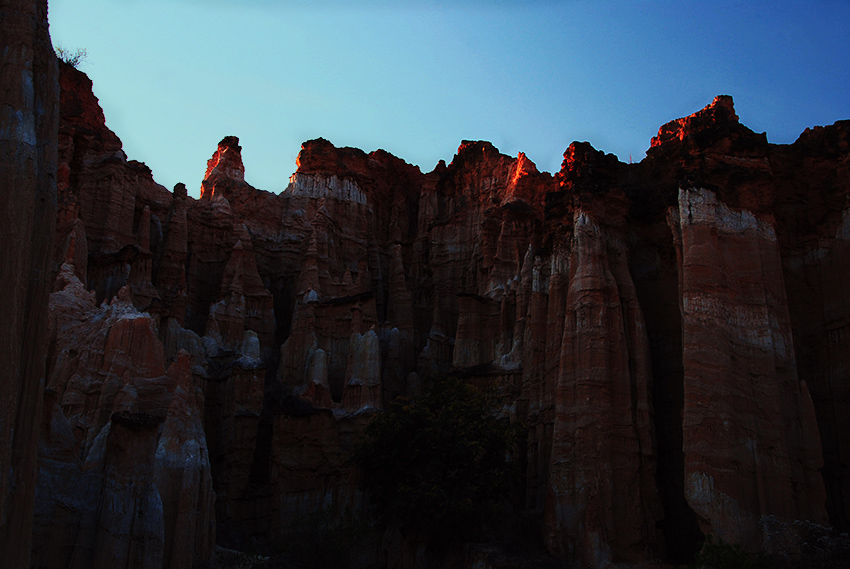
x: 669, y: 338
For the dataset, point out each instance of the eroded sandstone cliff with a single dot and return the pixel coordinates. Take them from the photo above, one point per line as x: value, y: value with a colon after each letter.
x: 29, y: 115
x: 671, y: 335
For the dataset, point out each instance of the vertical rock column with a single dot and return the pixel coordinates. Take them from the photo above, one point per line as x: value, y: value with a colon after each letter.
x: 817, y: 273
x: 183, y: 475
x: 601, y: 478
x: 170, y: 271
x: 750, y: 437
x: 28, y: 138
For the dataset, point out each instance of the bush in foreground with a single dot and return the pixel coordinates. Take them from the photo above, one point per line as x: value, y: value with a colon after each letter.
x: 440, y: 463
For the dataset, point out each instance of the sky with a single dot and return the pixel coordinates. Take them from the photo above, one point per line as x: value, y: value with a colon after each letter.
x: 416, y: 77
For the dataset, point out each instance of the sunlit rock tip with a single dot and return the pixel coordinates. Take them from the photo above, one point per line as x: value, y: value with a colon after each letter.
x: 225, y: 170
x: 720, y: 112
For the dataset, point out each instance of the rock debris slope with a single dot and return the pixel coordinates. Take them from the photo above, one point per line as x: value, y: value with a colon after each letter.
x: 672, y: 334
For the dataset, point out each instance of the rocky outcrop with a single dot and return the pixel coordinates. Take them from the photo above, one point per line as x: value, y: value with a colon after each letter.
x: 602, y: 469
x: 108, y: 193
x: 28, y: 136
x: 225, y: 173
x: 814, y: 245
x: 124, y: 471
x: 169, y: 267
x: 244, y: 303
x: 650, y: 325
x: 183, y: 475
x: 763, y: 455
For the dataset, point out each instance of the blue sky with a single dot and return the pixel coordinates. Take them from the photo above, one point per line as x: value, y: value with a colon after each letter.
x: 416, y: 77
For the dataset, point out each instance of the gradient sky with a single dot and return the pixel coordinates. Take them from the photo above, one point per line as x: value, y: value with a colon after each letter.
x: 416, y: 77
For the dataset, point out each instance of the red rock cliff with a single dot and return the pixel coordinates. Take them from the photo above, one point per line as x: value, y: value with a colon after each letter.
x: 28, y: 132
x: 670, y: 333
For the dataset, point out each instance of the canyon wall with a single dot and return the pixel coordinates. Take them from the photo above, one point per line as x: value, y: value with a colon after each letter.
x: 671, y: 335
x: 29, y: 115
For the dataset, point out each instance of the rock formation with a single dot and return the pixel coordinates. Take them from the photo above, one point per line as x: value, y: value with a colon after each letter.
x: 28, y: 139
x: 671, y: 334
x: 124, y: 468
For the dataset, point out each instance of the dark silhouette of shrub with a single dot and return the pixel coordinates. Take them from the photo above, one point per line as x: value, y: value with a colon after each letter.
x: 717, y: 554
x: 73, y: 58
x: 440, y: 463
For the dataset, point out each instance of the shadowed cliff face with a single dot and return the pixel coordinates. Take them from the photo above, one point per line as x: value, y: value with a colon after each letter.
x: 669, y: 333
x: 29, y: 115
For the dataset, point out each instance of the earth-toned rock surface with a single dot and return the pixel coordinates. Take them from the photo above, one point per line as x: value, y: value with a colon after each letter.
x: 671, y: 336
x: 29, y: 114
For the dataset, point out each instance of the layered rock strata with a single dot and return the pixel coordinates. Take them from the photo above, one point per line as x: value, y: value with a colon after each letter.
x: 646, y: 323
x: 29, y: 118
x: 124, y: 473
